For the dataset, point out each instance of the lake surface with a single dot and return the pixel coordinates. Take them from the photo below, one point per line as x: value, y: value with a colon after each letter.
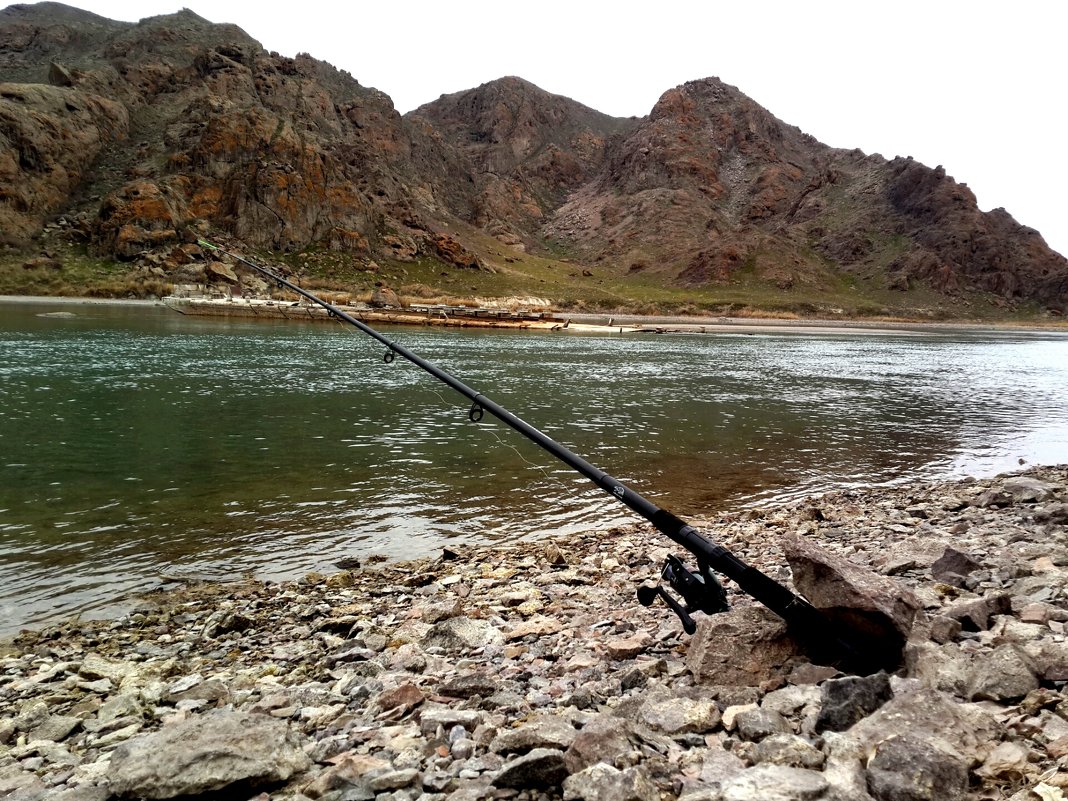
x: 137, y: 444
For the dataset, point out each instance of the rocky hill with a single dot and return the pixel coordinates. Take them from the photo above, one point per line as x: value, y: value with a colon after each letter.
x: 139, y: 137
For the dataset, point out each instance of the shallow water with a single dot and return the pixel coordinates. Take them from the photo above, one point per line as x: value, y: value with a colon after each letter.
x: 137, y: 443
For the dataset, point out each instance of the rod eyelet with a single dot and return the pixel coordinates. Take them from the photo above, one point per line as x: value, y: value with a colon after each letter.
x: 389, y: 356
x: 476, y: 413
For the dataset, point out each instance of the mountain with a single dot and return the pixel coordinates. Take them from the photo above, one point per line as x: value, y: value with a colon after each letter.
x: 133, y: 139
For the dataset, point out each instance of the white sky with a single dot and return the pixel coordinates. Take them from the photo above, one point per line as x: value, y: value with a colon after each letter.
x: 979, y: 87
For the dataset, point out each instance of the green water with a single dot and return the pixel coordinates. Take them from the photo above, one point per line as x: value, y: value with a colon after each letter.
x: 137, y: 443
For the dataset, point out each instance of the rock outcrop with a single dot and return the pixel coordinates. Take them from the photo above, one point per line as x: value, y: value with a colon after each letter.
x: 149, y: 133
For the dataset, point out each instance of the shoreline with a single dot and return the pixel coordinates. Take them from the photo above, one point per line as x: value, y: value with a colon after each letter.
x: 529, y: 671
x: 616, y: 323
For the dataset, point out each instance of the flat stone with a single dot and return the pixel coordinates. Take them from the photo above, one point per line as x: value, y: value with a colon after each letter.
x: 206, y: 753
x: 1026, y: 489
x: 680, y: 716
x: 627, y: 647
x: 407, y: 695
x: 774, y: 783
x: 469, y: 686
x: 603, y: 782
x: 536, y: 626
x: 460, y: 634
x: 55, y: 728
x: 540, y: 731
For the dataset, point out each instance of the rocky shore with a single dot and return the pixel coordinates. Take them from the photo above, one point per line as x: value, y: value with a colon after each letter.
x: 529, y: 671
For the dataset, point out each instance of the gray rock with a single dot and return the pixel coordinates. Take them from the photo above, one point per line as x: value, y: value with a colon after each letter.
x: 95, y: 667
x: 944, y: 629
x: 542, y: 767
x: 85, y: 792
x: 458, y: 634
x: 975, y: 614
x: 747, y: 645
x: 393, y: 780
x: 468, y: 686
x: 792, y: 701
x: 945, y: 668
x: 1025, y: 489
x: 603, y: 739
x: 953, y: 563
x: 964, y: 729
x: 756, y: 724
x: 433, y: 718
x: 1052, y: 513
x: 872, y: 608
x: 206, y: 753
x: 680, y: 715
x: 1049, y: 658
x: 603, y: 782
x: 848, y: 700
x: 786, y: 749
x: 539, y: 731
x: 55, y: 728
x: 775, y: 783
x: 718, y: 765
x: 909, y: 768
x: 1005, y: 674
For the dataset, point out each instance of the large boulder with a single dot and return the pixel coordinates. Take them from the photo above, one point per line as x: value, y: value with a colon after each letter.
x: 873, y: 610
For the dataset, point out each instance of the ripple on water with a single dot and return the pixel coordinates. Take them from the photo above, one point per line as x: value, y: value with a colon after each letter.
x: 141, y: 445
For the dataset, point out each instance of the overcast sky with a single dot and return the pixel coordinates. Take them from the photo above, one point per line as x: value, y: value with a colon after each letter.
x: 978, y: 87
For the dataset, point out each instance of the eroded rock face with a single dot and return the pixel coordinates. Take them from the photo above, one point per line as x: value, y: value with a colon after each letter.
x: 49, y: 138
x: 291, y: 154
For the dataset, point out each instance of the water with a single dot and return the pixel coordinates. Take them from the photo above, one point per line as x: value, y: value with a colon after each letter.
x: 137, y: 444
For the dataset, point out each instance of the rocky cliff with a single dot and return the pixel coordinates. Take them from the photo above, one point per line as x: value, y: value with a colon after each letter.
x: 143, y: 135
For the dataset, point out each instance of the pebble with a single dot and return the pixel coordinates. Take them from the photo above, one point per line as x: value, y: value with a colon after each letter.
x: 529, y: 671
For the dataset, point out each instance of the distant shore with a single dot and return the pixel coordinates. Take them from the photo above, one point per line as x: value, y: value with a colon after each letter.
x: 645, y: 324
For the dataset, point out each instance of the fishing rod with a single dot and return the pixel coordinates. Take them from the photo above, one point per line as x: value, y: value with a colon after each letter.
x: 700, y: 591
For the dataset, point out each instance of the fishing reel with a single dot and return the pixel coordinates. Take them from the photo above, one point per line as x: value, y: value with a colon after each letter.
x: 701, y: 591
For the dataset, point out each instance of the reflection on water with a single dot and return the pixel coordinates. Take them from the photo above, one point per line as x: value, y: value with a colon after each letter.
x: 136, y: 442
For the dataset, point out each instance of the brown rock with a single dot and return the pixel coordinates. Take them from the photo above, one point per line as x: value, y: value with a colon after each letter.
x: 628, y: 647
x: 407, y: 695
x: 747, y: 646
x: 867, y: 605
